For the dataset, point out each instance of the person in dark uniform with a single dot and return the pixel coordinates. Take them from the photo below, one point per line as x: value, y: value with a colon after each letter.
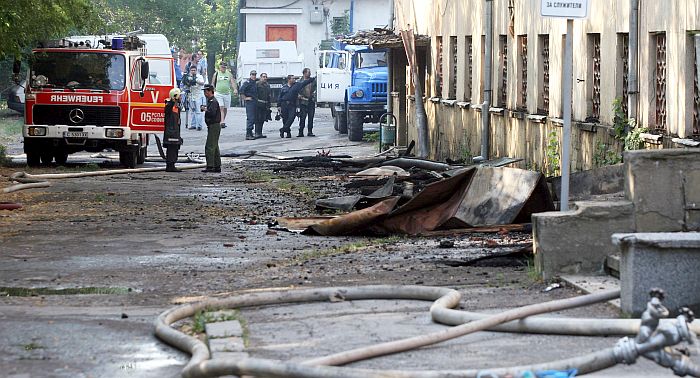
x: 171, y: 133
x: 307, y: 106
x: 212, y: 117
x: 287, y: 102
x: 249, y: 92
x: 264, y: 102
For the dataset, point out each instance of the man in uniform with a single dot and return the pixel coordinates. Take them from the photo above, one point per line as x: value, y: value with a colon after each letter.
x: 307, y: 106
x: 212, y: 116
x: 249, y: 92
x: 264, y: 103
x: 287, y: 102
x: 171, y: 133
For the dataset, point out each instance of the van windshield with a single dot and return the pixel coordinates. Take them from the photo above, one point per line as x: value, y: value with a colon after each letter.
x: 91, y: 70
x: 371, y: 59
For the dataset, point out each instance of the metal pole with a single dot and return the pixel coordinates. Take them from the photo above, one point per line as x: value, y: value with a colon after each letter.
x: 485, y: 117
x: 567, y: 101
x: 633, y: 66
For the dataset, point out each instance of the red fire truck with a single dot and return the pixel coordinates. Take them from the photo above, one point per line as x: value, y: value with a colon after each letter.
x: 92, y: 94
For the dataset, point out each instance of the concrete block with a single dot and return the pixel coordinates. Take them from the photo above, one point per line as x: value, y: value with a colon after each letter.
x: 655, y: 182
x: 224, y: 329
x: 583, y: 185
x: 578, y: 241
x: 227, y: 344
x: 691, y: 187
x: 670, y: 261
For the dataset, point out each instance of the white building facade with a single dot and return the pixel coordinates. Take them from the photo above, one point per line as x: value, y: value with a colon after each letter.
x: 309, y: 22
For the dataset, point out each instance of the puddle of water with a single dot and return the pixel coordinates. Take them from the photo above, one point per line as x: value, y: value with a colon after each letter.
x: 33, y: 292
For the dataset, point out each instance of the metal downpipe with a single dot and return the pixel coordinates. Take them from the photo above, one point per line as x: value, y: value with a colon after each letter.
x: 488, y: 52
x: 633, y: 83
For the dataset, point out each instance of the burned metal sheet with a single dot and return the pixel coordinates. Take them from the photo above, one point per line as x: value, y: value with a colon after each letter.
x: 496, y: 196
x: 298, y: 224
x: 347, y: 203
x: 354, y: 222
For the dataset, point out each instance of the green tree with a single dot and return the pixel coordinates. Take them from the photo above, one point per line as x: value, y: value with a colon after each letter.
x: 24, y: 22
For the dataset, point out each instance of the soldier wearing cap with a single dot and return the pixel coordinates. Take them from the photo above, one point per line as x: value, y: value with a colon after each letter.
x: 212, y: 116
x: 249, y: 92
x: 287, y: 102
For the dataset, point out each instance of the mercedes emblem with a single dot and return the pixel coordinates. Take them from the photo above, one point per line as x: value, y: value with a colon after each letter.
x: 76, y: 115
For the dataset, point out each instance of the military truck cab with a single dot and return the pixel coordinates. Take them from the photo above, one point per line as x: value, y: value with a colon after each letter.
x: 353, y: 79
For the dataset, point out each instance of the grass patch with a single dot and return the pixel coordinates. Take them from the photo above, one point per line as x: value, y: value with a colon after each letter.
x: 259, y: 176
x: 371, y: 137
x: 288, y: 186
x: 532, y: 273
x: 33, y: 292
x: 32, y: 346
x: 347, y: 248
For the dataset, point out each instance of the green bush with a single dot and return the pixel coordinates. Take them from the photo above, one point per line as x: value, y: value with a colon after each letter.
x: 3, y: 156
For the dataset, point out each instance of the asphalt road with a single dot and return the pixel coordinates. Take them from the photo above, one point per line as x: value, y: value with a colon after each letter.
x: 136, y: 245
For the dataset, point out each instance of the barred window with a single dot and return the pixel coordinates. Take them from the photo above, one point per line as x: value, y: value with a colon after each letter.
x: 468, y: 50
x: 503, y: 60
x: 696, y: 92
x: 522, y: 72
x: 594, y: 76
x: 453, y: 72
x: 624, y: 63
x: 543, y: 103
x: 438, y: 69
x: 659, y: 41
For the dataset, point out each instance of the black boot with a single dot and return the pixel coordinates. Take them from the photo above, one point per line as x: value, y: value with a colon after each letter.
x: 289, y: 134
x: 282, y: 132
x: 249, y: 135
x: 301, y: 133
x: 170, y: 167
x: 310, y: 133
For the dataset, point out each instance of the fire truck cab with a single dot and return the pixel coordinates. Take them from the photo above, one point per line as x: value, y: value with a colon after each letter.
x: 92, y: 93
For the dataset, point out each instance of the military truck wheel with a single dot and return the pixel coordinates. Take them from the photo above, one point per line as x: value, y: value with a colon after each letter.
x: 342, y: 120
x: 61, y: 157
x: 33, y: 159
x: 46, y: 158
x: 355, y: 126
x: 128, y: 158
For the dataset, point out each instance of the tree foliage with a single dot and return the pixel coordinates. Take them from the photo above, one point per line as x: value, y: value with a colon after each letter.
x: 24, y: 22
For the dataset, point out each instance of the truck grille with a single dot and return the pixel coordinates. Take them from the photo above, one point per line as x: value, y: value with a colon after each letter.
x: 60, y: 115
x: 379, y: 89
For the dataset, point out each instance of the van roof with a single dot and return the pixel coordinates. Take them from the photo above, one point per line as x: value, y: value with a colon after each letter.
x: 156, y: 44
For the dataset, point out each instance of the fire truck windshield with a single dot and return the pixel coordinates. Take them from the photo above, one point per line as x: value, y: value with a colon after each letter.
x: 89, y: 70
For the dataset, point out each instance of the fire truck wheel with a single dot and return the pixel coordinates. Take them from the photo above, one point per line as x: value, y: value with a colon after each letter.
x: 128, y: 158
x: 46, y: 158
x: 342, y: 119
x: 355, y: 123
x: 60, y: 157
x: 33, y: 159
x: 143, y: 153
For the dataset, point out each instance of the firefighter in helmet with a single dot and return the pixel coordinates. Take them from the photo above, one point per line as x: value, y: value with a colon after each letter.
x: 171, y: 134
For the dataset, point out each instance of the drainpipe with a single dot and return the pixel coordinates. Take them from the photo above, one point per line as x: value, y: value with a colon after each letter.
x: 633, y: 82
x: 485, y: 118
x: 697, y: 55
x: 241, y: 26
x: 352, y: 15
x: 389, y: 64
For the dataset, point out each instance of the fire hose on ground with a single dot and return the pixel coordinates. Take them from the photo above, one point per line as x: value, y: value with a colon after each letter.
x: 654, y: 334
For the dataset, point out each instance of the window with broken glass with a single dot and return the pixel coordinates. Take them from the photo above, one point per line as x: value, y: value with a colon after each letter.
x: 522, y: 72
x: 543, y: 103
x: 660, y: 82
x: 468, y: 50
x: 503, y: 59
x: 594, y: 75
x: 438, y: 68
x: 453, y: 72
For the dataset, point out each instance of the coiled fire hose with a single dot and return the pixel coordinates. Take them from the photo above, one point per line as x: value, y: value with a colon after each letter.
x: 200, y: 365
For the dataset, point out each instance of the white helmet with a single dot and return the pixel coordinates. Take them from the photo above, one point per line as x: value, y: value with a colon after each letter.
x: 175, y: 92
